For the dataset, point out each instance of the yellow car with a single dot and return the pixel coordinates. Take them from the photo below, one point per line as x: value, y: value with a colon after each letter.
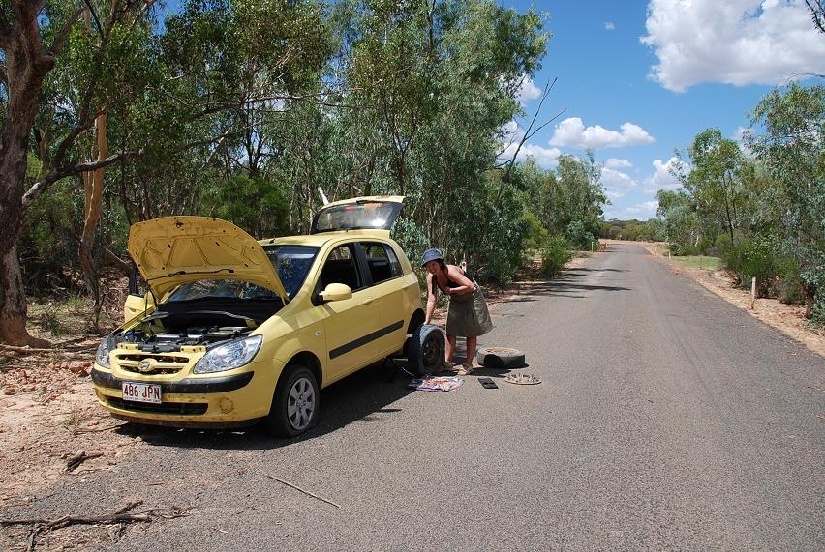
x: 234, y: 330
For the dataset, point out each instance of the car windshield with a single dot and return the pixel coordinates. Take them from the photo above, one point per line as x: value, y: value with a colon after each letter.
x: 292, y: 262
x: 214, y: 288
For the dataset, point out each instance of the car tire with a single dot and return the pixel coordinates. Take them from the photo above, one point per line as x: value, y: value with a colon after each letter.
x: 426, y: 351
x: 500, y: 357
x: 295, y: 403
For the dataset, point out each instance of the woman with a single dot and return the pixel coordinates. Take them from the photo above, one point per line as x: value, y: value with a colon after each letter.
x: 467, y: 312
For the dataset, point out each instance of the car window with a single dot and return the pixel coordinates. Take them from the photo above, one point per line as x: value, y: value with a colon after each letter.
x: 360, y: 214
x: 340, y: 267
x: 382, y: 261
x: 292, y: 262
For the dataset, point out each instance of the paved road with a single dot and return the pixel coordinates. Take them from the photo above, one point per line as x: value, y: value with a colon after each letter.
x: 666, y: 419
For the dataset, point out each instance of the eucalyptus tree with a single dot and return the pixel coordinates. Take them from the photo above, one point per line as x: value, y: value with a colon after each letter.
x: 245, y: 65
x: 817, y: 9
x: 106, y: 65
x: 792, y: 151
x: 429, y: 87
x: 27, y: 61
x: 680, y: 223
x: 35, y: 37
x: 715, y: 180
x: 488, y: 51
x: 578, y: 198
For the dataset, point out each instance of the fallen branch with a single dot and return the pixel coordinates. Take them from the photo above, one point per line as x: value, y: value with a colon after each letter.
x: 297, y: 488
x: 80, y: 431
x: 118, y: 516
x: 25, y: 349
x: 78, y: 458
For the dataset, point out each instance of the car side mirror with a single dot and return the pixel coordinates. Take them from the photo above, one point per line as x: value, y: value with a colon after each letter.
x: 336, y: 292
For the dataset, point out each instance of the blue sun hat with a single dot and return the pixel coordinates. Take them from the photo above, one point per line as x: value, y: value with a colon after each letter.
x: 431, y: 254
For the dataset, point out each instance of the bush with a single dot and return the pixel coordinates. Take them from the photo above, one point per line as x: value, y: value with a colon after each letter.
x: 789, y: 287
x: 755, y: 258
x: 723, y: 245
x: 578, y: 235
x: 554, y: 256
x: 683, y: 250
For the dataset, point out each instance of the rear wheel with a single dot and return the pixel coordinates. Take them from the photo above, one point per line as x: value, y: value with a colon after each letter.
x: 426, y: 351
x: 296, y: 402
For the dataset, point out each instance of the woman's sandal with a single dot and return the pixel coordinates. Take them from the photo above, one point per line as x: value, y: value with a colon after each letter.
x: 465, y: 370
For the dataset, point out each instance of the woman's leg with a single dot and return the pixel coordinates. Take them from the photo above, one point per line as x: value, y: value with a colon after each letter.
x: 449, y: 351
x: 471, y: 350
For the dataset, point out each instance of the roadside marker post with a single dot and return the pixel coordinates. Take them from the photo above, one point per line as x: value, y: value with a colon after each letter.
x: 753, y: 290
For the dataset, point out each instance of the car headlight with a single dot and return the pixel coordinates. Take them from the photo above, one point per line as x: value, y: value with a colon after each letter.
x: 230, y: 355
x: 102, y: 356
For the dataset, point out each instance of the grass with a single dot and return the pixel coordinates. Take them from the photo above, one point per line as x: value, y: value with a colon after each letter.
x: 698, y: 261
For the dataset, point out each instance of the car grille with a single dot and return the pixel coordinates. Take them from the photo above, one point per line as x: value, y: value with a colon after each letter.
x: 157, y: 363
x: 181, y: 409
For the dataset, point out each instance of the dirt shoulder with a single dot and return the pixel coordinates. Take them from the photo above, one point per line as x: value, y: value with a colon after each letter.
x: 51, y: 427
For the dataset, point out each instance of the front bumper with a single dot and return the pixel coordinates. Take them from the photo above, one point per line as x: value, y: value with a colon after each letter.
x: 222, y: 401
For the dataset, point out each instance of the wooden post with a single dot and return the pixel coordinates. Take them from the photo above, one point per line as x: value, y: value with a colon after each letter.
x: 753, y: 290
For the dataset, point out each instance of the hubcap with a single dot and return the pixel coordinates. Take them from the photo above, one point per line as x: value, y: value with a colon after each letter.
x: 301, y: 407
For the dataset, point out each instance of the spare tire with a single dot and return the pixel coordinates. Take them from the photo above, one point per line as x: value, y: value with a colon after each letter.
x: 426, y: 351
x: 500, y: 357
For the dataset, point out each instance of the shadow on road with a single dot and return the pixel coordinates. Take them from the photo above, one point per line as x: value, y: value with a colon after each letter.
x: 364, y: 396
x: 567, y: 284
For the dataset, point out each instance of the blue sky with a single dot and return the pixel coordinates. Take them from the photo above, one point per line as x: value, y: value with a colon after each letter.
x: 637, y: 80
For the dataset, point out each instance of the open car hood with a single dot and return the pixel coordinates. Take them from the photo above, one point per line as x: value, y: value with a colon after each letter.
x: 172, y: 250
x: 375, y: 213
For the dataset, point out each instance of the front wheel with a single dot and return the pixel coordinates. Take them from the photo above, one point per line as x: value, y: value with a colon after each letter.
x: 426, y: 350
x: 295, y: 404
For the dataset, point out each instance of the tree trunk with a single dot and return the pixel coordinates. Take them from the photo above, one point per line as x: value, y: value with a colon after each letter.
x: 27, y: 64
x: 93, y: 187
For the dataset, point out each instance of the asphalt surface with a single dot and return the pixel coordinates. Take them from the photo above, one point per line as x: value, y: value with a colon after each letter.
x: 666, y: 419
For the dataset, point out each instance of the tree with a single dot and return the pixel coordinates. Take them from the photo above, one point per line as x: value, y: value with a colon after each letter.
x: 792, y: 151
x: 715, y: 181
x: 677, y: 212
x: 27, y: 62
x: 817, y: 9
x: 429, y: 87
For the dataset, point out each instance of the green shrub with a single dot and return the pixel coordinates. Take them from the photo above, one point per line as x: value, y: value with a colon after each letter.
x: 681, y: 250
x: 578, y: 235
x: 789, y: 286
x: 554, y: 256
x: 723, y: 245
x: 754, y: 258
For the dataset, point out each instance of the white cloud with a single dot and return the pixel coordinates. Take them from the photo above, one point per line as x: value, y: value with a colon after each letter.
x: 643, y: 210
x: 545, y: 157
x: 737, y: 42
x: 609, y: 25
x: 616, y: 183
x: 528, y: 91
x: 614, y: 163
x: 620, y: 186
x: 572, y: 133
x: 662, y: 178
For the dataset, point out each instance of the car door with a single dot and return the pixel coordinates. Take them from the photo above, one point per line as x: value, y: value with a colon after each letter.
x: 391, y: 301
x: 350, y: 325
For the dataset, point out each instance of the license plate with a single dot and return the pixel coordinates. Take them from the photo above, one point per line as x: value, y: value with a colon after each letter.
x: 141, y: 392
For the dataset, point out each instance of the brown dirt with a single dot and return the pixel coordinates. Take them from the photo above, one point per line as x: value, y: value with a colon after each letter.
x: 49, y: 415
